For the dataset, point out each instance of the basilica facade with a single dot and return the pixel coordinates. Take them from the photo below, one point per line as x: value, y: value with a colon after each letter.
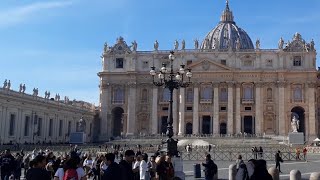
x: 237, y: 87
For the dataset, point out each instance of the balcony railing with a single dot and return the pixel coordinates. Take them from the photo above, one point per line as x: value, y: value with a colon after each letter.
x: 117, y: 101
x: 247, y: 101
x: 205, y: 101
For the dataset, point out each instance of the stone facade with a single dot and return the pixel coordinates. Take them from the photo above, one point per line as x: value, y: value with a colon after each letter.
x: 26, y: 118
x: 236, y: 88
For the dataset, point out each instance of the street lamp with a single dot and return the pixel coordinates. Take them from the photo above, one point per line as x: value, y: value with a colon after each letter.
x: 171, y: 80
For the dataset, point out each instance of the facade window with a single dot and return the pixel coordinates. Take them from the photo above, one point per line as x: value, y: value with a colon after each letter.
x: 189, y: 108
x: 223, y: 94
x: 297, y: 61
x: 119, y: 62
x: 247, y: 108
x: 69, y: 127
x: 269, y: 62
x: 12, y: 124
x: 118, y: 95
x: 50, y: 127
x: 223, y: 62
x: 269, y: 94
x: 39, y: 133
x: 60, y: 127
x: 206, y: 93
x: 189, y: 62
x: 144, y: 95
x: 166, y: 95
x: 145, y: 64
x: 26, y: 126
x: 247, y: 92
x: 189, y: 95
x: 223, y: 108
x: 297, y: 93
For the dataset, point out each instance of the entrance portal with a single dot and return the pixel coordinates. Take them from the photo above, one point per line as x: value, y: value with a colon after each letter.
x: 189, y: 128
x: 206, y: 123
x: 248, y: 124
x: 117, y: 119
x: 223, y: 128
x: 164, y: 124
x: 299, y: 113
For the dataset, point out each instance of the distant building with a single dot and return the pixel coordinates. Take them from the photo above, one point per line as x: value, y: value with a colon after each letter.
x: 238, y: 87
x: 26, y: 118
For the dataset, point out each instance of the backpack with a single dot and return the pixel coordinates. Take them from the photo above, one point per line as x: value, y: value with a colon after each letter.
x: 214, y: 169
x: 70, y: 174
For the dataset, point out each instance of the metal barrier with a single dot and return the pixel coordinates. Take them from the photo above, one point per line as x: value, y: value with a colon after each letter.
x: 232, y: 156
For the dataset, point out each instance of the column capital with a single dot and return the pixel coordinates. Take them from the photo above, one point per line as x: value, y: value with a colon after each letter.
x: 230, y: 84
x: 312, y: 84
x: 282, y: 84
x: 259, y: 84
x: 215, y: 84
x: 238, y: 84
x: 104, y: 85
x: 132, y: 84
x: 196, y: 84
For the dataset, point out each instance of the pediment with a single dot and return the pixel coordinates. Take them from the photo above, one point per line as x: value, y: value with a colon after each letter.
x: 208, y: 65
x: 120, y: 47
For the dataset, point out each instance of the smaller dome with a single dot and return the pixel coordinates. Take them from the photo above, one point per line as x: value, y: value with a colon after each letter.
x: 227, y: 35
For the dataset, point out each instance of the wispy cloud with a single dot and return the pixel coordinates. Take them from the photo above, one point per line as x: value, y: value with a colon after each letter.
x: 21, y: 14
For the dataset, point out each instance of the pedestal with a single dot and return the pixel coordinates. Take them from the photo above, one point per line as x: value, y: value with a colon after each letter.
x: 296, y: 138
x: 178, y: 167
x: 77, y: 138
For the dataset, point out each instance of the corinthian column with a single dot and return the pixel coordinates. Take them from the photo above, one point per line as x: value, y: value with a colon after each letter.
x: 175, y: 111
x: 131, y: 120
x: 105, y: 94
x: 230, y: 108
x: 216, y: 108
x: 238, y: 105
x: 258, y: 103
x: 154, y: 120
x: 181, y: 111
x: 312, y: 112
x: 196, y: 109
x: 281, y: 113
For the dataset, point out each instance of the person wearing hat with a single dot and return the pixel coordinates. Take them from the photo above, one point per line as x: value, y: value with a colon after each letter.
x: 210, y: 168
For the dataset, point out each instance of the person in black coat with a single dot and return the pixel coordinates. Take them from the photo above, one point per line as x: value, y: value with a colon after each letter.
x: 113, y: 171
x: 7, y: 163
x: 278, y: 159
x: 210, y: 168
x: 126, y: 166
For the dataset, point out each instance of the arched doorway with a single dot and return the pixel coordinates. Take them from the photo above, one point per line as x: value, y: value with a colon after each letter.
x: 206, y: 124
x: 189, y: 128
x: 163, y: 125
x: 248, y: 124
x: 117, y: 119
x: 223, y: 128
x: 299, y: 112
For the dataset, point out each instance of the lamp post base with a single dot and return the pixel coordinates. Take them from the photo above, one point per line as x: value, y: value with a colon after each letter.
x: 171, y: 147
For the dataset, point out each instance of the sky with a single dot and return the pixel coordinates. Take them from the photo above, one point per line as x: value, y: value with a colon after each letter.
x: 56, y: 45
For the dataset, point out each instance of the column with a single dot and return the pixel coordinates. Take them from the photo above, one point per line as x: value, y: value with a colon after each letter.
x: 230, y: 108
x: 154, y: 120
x: 105, y: 95
x: 281, y: 111
x: 175, y: 111
x: 258, y: 109
x: 131, y: 109
x: 216, y: 123
x: 312, y: 111
x: 195, y: 121
x: 181, y: 111
x: 238, y: 105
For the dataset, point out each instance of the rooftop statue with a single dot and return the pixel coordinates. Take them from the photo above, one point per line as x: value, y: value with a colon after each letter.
x: 258, y: 44
x: 105, y: 47
x: 196, y: 44
x: 5, y: 84
x: 176, y: 45
x: 183, y: 45
x: 238, y: 44
x: 156, y: 45
x: 280, y: 44
x: 134, y: 46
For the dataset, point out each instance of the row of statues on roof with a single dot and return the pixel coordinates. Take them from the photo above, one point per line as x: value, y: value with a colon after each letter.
x: 134, y: 44
x: 22, y: 89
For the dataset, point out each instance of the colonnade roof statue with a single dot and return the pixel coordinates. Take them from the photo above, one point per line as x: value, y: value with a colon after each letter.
x: 226, y: 34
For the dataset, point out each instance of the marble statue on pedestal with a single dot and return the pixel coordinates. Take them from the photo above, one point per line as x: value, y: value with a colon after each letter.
x: 258, y: 44
x: 295, y: 124
x: 5, y: 84
x: 183, y: 45
x: 23, y: 88
x: 176, y: 45
x: 134, y: 46
x: 196, y: 44
x: 20, y: 88
x: 280, y: 44
x: 156, y: 45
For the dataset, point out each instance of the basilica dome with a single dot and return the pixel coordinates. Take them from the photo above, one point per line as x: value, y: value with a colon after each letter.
x: 227, y: 35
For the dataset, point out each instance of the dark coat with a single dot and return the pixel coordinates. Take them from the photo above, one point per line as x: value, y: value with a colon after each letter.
x: 113, y: 172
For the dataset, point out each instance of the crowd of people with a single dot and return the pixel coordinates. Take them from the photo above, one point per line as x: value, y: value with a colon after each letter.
x: 76, y: 165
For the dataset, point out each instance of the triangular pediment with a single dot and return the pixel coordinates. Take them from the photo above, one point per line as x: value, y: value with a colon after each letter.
x: 208, y: 65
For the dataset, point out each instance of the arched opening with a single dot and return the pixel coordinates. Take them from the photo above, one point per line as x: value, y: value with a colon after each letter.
x: 299, y: 113
x: 223, y: 128
x: 206, y: 124
x: 117, y: 119
x: 163, y: 125
x: 189, y: 128
x: 248, y: 124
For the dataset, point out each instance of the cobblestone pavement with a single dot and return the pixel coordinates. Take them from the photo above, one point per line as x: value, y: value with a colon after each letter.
x: 306, y: 168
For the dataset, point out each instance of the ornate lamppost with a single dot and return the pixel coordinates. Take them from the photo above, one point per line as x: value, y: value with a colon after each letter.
x: 171, y: 80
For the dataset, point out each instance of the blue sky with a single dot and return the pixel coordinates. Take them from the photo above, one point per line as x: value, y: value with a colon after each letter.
x: 56, y: 45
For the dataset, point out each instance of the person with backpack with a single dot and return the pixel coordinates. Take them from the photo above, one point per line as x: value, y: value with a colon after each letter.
x: 210, y: 168
x: 70, y: 170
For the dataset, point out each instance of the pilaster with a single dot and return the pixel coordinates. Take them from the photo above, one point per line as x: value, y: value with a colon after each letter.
x: 175, y: 111
x: 154, y: 120
x: 258, y: 108
x: 216, y: 124
x: 195, y: 122
x: 281, y: 113
x: 230, y: 108
x: 238, y: 105
x: 131, y: 119
x: 181, y: 111
x: 312, y: 111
